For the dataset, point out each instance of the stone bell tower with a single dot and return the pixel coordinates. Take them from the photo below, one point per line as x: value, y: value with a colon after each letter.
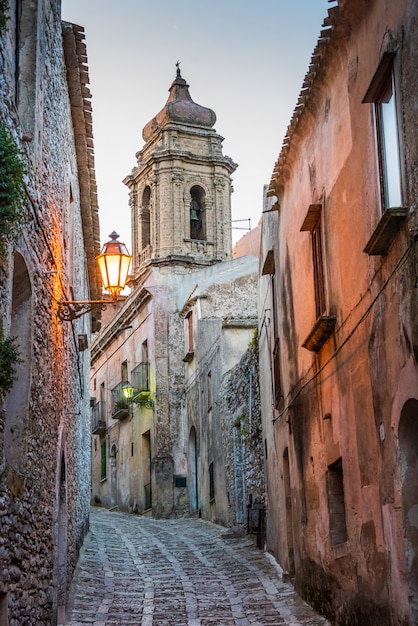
x: 180, y: 191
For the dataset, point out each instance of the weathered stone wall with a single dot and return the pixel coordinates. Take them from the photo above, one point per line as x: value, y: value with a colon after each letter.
x: 242, y: 438
x: 44, y: 445
x: 341, y: 475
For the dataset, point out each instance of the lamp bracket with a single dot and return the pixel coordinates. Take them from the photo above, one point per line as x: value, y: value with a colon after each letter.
x: 69, y: 310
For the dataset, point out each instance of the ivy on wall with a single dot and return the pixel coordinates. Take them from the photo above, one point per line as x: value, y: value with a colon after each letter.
x: 4, y: 5
x: 12, y: 189
x: 9, y: 357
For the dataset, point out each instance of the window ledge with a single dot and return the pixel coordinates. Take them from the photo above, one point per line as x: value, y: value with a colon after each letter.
x: 340, y: 550
x: 320, y: 333
x: 387, y: 228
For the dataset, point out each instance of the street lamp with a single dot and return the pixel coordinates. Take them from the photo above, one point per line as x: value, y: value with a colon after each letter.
x: 127, y: 391
x: 113, y: 261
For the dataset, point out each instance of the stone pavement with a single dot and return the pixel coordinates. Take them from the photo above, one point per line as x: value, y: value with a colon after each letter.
x: 137, y: 571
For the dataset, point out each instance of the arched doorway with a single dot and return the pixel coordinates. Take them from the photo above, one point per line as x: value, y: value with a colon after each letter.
x: 192, y: 471
x: 408, y: 446
x: 61, y: 587
x: 18, y: 397
x: 289, y: 513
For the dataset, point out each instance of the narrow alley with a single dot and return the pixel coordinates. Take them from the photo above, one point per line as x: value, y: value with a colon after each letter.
x: 138, y: 571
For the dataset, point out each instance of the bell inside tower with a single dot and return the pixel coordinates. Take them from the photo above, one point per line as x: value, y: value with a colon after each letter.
x: 197, y: 213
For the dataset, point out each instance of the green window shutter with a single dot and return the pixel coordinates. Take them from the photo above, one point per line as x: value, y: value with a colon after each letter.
x: 103, y: 450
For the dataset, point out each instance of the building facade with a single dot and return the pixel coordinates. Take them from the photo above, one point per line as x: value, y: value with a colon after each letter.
x: 338, y: 322
x: 188, y: 319
x: 45, y: 121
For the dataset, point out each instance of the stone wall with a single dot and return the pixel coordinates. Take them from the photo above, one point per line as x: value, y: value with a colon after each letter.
x: 242, y: 439
x: 337, y: 328
x: 44, y: 421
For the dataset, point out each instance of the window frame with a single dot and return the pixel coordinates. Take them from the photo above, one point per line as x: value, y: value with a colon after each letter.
x: 385, y: 78
x: 313, y: 223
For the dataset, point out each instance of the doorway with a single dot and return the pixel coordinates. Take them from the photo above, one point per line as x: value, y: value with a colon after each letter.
x: 289, y: 513
x: 408, y: 447
x: 192, y: 471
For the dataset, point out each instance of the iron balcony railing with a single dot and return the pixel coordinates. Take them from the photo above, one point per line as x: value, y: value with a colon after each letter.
x: 120, y: 404
x: 140, y: 378
x: 98, y: 418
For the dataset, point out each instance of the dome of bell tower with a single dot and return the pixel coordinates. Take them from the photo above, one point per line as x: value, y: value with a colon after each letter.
x: 181, y: 109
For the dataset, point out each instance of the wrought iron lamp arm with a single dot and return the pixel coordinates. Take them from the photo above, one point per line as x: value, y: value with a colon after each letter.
x: 69, y: 310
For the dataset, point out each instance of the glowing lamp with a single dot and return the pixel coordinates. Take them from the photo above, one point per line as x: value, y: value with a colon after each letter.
x: 127, y: 391
x: 114, y: 261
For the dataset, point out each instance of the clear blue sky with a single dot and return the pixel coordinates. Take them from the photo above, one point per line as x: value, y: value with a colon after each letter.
x: 244, y: 59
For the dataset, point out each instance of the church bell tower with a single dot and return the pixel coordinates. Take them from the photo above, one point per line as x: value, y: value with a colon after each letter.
x: 180, y: 190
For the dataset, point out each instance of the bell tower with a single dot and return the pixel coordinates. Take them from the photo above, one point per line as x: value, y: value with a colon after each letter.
x: 180, y: 190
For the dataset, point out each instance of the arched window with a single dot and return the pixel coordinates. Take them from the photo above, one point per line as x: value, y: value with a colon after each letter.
x: 17, y: 400
x: 145, y: 218
x: 197, y: 213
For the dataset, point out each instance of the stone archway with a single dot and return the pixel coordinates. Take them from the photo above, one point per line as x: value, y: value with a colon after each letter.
x: 192, y: 471
x: 408, y: 446
x: 17, y: 400
x: 62, y: 544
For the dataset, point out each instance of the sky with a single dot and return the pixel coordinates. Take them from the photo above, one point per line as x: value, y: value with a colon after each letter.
x: 245, y: 59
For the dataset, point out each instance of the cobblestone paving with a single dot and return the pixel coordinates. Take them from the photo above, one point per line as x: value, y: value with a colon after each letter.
x: 137, y: 571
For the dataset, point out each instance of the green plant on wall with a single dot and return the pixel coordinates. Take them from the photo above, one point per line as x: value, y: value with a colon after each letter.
x: 9, y: 357
x: 4, y: 6
x: 12, y: 189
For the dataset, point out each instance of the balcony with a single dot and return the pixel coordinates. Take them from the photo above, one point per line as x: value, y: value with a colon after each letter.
x: 98, y: 418
x: 140, y: 382
x: 120, y: 404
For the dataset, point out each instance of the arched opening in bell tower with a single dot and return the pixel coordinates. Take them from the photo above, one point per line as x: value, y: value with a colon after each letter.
x: 145, y: 218
x: 197, y: 213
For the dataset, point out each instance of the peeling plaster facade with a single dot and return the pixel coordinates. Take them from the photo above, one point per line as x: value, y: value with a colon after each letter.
x: 44, y: 420
x: 187, y: 322
x: 338, y: 323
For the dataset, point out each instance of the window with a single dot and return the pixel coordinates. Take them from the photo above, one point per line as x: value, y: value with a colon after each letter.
x: 144, y: 218
x: 209, y: 390
x: 189, y: 319
x: 382, y: 94
x: 269, y: 269
x: 313, y: 223
x: 211, y: 482
x: 278, y: 396
x: 103, y: 473
x: 336, y: 503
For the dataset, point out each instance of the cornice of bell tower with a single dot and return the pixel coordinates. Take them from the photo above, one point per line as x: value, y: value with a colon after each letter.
x: 180, y: 190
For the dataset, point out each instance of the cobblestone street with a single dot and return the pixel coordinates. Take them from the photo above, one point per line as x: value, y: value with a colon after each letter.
x: 137, y: 571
